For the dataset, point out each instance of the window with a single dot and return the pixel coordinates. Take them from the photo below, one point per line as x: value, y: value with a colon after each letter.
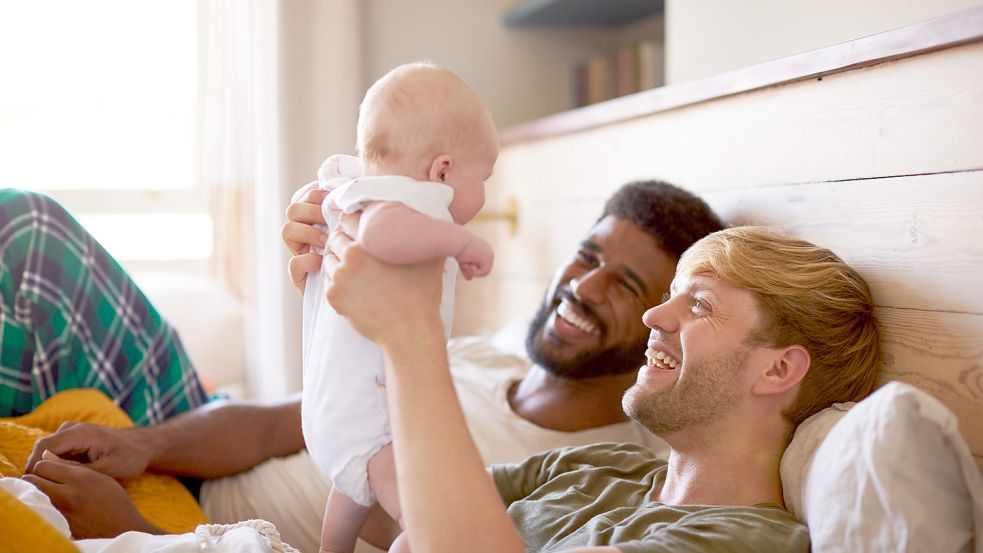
x: 98, y: 108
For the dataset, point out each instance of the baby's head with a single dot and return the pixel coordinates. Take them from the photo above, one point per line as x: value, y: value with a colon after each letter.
x: 424, y: 122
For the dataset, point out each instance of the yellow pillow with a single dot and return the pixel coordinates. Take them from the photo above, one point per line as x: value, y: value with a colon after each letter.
x: 162, y: 500
x: 24, y: 530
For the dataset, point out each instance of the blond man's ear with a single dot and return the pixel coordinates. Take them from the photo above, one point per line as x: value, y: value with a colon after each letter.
x: 786, y: 371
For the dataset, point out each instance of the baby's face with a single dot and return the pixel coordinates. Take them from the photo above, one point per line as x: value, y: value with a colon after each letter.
x: 468, y: 182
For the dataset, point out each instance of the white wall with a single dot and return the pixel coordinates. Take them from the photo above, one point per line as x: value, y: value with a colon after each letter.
x: 706, y: 37
x: 320, y: 88
x: 521, y: 74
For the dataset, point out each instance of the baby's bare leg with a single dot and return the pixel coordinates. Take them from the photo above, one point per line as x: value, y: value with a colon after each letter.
x: 343, y: 519
x: 382, y: 480
x: 401, y: 544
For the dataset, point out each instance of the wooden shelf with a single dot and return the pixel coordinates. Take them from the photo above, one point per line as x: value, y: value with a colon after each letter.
x: 927, y: 36
x: 607, y: 13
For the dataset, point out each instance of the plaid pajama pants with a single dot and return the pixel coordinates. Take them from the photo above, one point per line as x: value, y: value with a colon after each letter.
x: 72, y: 318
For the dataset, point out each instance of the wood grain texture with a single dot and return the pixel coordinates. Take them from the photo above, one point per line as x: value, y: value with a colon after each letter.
x: 915, y: 239
x: 913, y: 116
x: 942, y: 354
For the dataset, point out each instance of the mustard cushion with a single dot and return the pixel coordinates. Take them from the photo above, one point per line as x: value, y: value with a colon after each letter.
x: 24, y: 530
x: 161, y: 499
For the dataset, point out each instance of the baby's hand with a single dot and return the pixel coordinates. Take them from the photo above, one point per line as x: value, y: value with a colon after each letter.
x: 476, y: 258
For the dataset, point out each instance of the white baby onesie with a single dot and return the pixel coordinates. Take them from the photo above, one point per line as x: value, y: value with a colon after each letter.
x: 344, y: 413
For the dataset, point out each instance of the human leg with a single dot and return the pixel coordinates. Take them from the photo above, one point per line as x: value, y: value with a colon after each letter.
x: 382, y: 480
x: 401, y: 544
x: 70, y: 317
x: 343, y: 519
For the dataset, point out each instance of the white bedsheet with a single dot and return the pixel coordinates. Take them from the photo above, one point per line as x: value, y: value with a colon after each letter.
x: 251, y: 536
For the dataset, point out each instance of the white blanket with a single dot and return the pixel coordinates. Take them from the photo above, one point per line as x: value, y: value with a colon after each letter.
x: 251, y: 536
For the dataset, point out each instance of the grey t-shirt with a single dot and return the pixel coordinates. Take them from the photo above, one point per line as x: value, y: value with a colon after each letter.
x: 599, y: 495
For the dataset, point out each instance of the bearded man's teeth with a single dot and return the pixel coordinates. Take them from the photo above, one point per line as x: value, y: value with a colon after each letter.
x: 567, y: 314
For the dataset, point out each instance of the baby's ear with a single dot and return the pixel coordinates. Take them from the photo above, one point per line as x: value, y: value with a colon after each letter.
x: 439, y: 168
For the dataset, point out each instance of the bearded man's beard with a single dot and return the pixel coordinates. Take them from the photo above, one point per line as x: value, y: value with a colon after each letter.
x: 615, y: 360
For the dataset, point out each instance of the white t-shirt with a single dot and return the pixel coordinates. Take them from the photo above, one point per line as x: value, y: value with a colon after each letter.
x: 482, y: 376
x: 291, y: 493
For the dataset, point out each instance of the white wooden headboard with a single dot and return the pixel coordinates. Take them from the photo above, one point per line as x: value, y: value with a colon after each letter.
x: 872, y: 148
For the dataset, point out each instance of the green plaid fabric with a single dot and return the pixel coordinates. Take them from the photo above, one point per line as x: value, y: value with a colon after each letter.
x: 72, y: 318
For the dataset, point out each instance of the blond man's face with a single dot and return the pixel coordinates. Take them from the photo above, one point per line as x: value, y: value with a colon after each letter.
x: 700, y: 366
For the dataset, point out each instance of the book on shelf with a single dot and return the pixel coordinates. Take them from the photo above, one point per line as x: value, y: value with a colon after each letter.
x: 626, y: 71
x: 599, y: 75
x: 629, y: 69
x: 650, y: 60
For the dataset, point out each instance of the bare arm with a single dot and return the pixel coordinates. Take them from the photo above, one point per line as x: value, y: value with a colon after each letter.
x: 224, y: 438
x: 448, y: 498
x: 217, y: 439
x: 399, y: 235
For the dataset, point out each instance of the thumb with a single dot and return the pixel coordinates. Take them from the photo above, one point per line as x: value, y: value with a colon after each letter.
x: 49, y: 455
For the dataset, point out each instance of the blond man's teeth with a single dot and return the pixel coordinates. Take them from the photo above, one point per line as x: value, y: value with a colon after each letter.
x: 567, y: 314
x: 660, y: 359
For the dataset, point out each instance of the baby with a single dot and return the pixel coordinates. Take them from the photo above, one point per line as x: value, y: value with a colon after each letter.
x: 426, y: 144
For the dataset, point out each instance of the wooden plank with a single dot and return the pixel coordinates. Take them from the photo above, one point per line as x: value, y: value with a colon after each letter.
x: 942, y: 354
x: 908, y: 236
x: 914, y: 116
x: 923, y: 37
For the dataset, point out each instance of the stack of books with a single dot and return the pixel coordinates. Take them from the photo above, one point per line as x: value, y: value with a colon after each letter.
x: 630, y: 69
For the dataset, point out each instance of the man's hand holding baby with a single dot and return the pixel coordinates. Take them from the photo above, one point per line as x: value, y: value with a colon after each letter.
x: 299, y: 234
x: 360, y: 287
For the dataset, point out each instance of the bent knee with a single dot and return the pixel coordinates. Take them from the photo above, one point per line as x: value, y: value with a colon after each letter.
x: 16, y: 199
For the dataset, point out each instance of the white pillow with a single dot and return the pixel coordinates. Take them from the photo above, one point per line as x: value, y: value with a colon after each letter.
x: 892, y: 475
x: 798, y: 457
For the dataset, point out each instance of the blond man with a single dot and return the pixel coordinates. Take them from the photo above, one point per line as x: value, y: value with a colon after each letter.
x: 759, y: 331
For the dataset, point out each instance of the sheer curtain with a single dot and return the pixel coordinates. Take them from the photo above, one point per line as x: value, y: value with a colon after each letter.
x: 238, y: 164
x: 280, y: 84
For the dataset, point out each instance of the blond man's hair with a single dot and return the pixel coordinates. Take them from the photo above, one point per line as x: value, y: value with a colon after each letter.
x: 807, y: 296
